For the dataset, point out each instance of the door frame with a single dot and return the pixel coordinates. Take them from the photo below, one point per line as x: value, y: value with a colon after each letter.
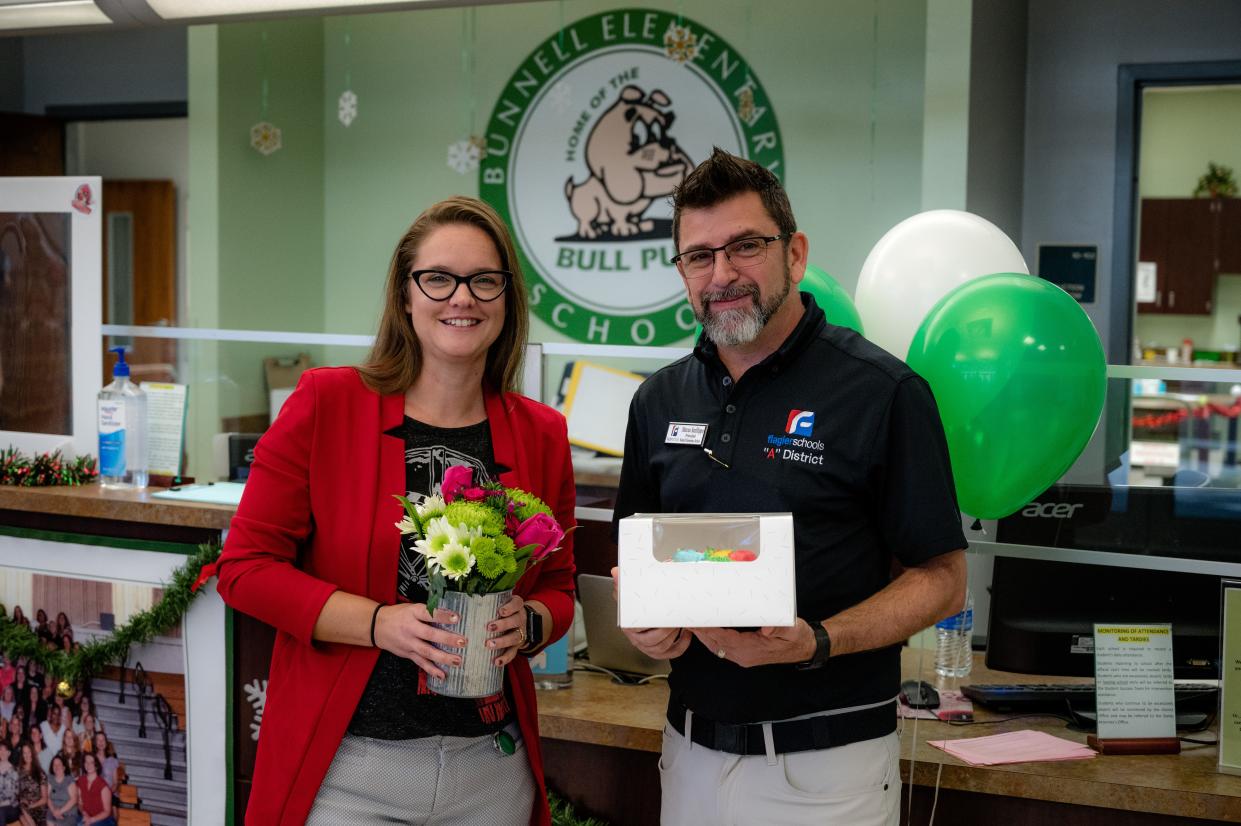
x: 1132, y: 80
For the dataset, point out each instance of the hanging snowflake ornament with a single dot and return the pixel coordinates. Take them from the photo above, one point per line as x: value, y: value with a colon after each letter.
x: 265, y: 138
x: 745, y: 104
x: 560, y: 97
x: 681, y: 44
x: 347, y: 107
x: 463, y: 157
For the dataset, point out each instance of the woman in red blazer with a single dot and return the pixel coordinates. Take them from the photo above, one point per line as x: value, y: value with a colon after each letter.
x: 350, y: 732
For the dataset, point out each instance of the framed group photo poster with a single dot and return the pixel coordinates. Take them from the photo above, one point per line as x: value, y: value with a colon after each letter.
x: 160, y: 718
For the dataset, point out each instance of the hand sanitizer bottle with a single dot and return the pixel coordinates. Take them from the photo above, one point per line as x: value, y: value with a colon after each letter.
x: 122, y: 430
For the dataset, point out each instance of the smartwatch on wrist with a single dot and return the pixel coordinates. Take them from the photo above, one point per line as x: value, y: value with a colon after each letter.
x: 534, y: 629
x: 822, y: 648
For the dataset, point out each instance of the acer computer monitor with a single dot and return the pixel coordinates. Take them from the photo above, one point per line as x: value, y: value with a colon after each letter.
x: 1043, y: 613
x: 1082, y: 554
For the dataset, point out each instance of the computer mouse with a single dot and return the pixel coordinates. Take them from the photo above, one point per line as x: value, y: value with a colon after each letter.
x: 919, y: 694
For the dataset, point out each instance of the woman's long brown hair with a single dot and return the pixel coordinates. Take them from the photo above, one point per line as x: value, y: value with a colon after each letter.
x: 395, y: 360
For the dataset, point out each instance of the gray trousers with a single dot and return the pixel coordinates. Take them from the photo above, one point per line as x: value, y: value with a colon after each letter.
x: 430, y: 781
x: 854, y: 785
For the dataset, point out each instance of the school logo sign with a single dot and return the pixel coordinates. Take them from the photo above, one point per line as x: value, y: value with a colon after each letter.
x: 584, y: 147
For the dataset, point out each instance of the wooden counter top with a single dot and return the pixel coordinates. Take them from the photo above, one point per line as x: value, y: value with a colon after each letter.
x: 600, y: 712
x: 119, y: 505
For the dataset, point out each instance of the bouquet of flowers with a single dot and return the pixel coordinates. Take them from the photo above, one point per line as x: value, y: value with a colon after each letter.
x: 478, y: 539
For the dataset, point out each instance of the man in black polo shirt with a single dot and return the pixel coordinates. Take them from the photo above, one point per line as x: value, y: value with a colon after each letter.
x: 797, y: 724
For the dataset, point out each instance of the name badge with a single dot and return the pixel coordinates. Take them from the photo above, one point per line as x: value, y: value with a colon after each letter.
x: 685, y: 433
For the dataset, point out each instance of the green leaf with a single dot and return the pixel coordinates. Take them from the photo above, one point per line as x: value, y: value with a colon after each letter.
x: 435, y: 591
x: 410, y: 511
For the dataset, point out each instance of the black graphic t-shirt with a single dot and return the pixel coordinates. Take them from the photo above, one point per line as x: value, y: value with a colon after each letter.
x: 397, y: 705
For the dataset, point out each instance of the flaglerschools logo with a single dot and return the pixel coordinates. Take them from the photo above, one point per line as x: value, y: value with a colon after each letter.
x: 801, y: 422
x: 587, y: 141
x: 796, y: 446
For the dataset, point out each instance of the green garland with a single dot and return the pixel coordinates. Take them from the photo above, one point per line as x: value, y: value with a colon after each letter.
x: 92, y: 657
x: 45, y: 469
x: 564, y: 815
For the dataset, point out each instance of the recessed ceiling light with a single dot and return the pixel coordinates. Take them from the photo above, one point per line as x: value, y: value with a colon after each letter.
x: 51, y: 14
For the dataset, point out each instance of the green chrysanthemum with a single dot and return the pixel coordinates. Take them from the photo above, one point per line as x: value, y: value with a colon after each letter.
x: 527, y: 504
x: 475, y: 515
x: 505, y: 546
x: 490, y: 562
x: 455, y: 562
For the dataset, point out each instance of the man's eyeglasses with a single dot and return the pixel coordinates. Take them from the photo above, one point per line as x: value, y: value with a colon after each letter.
x: 438, y: 285
x: 744, y: 252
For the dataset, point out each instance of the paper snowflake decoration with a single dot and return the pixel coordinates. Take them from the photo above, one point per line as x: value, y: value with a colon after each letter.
x: 680, y: 43
x: 745, y: 104
x: 464, y: 156
x: 265, y: 138
x: 560, y: 97
x: 347, y: 107
x: 256, y: 694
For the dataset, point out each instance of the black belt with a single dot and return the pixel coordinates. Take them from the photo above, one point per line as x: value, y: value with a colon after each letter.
x: 823, y: 731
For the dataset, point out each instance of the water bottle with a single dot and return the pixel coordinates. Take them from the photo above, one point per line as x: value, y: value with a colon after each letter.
x: 122, y: 430
x: 953, y: 654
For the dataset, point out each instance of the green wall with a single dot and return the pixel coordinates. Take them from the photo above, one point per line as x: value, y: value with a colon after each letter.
x: 1183, y: 129
x: 315, y: 223
x: 300, y: 240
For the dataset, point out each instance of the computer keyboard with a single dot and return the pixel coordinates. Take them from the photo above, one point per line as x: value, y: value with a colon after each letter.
x: 1060, y: 697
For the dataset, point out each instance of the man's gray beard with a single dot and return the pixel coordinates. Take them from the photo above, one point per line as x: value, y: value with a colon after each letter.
x: 740, y: 326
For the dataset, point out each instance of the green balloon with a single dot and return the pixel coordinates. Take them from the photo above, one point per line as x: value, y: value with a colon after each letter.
x: 1019, y: 375
x: 836, y: 304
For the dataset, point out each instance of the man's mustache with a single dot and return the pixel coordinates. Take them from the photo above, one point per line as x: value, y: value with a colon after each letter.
x: 729, y: 293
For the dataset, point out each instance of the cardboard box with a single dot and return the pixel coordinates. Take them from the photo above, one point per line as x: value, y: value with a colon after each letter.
x: 282, y: 376
x: 657, y: 592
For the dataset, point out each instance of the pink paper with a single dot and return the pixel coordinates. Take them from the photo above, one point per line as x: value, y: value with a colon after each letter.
x: 1013, y: 747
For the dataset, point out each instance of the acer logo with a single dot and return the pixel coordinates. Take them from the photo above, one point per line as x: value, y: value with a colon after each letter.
x: 1052, y: 510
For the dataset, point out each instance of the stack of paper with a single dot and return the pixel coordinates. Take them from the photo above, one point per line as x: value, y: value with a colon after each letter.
x: 1013, y: 747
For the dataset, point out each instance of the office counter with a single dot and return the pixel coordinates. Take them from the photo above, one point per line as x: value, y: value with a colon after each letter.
x: 84, y: 508
x: 602, y: 742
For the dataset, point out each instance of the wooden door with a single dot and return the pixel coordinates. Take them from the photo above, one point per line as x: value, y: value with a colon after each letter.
x: 1229, y: 235
x: 1153, y: 247
x: 140, y: 273
x: 1180, y: 235
x: 1192, y: 243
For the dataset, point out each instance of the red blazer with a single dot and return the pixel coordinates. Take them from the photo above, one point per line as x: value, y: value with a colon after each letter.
x: 317, y: 515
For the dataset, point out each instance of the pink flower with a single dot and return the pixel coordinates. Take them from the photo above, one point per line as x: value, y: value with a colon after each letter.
x: 474, y: 494
x: 540, y: 530
x: 456, y: 479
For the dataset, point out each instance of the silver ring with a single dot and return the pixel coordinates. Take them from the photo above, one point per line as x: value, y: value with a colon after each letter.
x: 719, y: 652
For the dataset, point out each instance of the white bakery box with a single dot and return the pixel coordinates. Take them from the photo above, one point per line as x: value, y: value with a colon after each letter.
x: 657, y: 590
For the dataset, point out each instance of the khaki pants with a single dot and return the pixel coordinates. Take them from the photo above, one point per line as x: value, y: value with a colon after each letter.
x: 854, y: 785
x: 431, y: 781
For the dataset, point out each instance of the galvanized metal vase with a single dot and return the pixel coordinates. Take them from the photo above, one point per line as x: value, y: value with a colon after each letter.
x: 478, y: 675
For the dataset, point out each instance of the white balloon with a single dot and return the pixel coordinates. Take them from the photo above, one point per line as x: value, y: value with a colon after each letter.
x: 918, y: 262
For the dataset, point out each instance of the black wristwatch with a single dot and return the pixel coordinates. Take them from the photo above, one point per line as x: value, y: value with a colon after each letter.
x: 822, y: 648
x: 534, y: 629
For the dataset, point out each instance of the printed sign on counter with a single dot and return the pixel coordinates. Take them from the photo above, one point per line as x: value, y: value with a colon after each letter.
x: 166, y: 408
x: 1133, y: 681
x: 1230, y: 681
